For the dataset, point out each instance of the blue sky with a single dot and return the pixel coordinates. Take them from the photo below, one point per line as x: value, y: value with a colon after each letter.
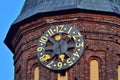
x: 9, y: 10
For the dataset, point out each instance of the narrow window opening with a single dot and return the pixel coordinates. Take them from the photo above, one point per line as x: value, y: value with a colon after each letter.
x: 63, y: 75
x: 94, y: 70
x: 36, y: 73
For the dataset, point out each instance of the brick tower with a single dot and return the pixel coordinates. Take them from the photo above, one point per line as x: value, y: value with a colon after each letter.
x: 66, y: 40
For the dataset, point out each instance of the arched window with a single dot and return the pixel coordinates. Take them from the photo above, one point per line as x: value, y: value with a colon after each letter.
x: 118, y: 72
x: 36, y: 73
x: 94, y: 70
x: 63, y: 75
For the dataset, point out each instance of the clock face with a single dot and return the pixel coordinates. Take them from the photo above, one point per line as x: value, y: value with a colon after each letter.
x: 60, y: 47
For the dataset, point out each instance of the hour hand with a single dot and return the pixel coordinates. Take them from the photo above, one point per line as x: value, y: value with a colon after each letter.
x: 45, y: 58
x: 62, y: 57
x: 68, y: 37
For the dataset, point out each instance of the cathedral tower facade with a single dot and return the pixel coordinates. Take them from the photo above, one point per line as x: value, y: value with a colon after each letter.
x: 66, y: 40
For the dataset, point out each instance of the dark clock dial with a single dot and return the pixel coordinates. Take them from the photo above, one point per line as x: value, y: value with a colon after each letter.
x: 60, y: 47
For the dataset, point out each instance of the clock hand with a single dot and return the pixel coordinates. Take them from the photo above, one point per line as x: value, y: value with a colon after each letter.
x: 62, y: 55
x: 68, y: 38
x: 45, y: 58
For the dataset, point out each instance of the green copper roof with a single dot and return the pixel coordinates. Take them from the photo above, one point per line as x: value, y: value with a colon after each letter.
x: 32, y: 7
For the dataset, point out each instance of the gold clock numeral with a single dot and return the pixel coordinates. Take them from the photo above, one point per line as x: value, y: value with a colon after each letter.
x: 78, y: 45
x: 76, y: 54
x: 69, y: 61
x: 59, y: 65
x: 48, y: 65
x: 60, y: 28
x: 54, y: 65
x: 57, y: 29
x: 43, y: 39
x: 50, y: 32
x: 82, y: 44
x: 69, y: 30
x: 42, y: 58
x: 77, y: 35
x: 40, y: 49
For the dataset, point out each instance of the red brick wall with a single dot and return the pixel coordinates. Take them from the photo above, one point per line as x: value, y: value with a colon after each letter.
x: 102, y: 42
